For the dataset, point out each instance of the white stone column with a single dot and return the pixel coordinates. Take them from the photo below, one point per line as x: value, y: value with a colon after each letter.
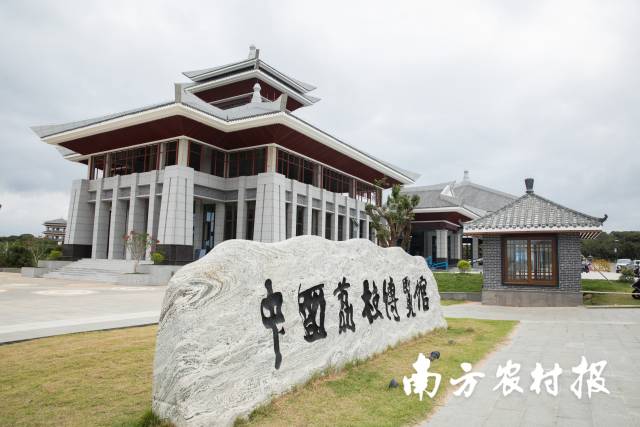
x: 183, y: 152
x: 366, y: 226
x: 137, y: 213
x: 441, y: 244
x: 323, y: 213
x: 241, y: 216
x: 80, y: 215
x: 336, y: 213
x: 347, y: 218
x: 269, y: 223
x: 152, y: 212
x: 118, y: 221
x: 309, y: 211
x: 101, y: 218
x: 218, y: 226
x: 474, y: 248
x: 176, y: 216
x: 293, y: 218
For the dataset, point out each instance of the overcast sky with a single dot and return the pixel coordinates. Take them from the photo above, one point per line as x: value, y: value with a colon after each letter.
x: 504, y: 89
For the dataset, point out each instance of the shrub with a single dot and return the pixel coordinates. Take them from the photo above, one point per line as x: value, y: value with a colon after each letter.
x: 464, y: 266
x: 626, y: 275
x: 157, y: 257
x: 54, y: 255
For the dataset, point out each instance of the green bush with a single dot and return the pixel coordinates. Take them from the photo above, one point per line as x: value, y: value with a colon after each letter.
x: 464, y: 266
x: 626, y: 275
x: 157, y: 257
x: 55, y: 254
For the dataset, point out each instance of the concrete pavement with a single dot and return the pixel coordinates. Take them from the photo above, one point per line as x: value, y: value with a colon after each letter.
x: 33, y: 308
x: 549, y: 335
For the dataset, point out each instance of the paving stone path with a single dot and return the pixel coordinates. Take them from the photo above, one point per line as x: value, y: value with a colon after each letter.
x: 549, y: 335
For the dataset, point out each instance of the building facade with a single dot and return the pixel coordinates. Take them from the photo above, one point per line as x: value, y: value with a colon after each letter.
x: 225, y: 159
x: 532, y: 252
x: 437, y: 230
x: 55, y: 230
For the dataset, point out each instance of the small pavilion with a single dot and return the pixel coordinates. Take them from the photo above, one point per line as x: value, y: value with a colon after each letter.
x: 532, y: 251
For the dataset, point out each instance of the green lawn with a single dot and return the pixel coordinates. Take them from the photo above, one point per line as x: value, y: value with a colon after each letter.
x: 456, y: 282
x: 104, y: 379
x: 358, y: 394
x: 607, y: 299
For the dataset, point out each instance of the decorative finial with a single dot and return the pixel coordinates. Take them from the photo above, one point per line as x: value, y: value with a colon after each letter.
x: 529, y: 185
x: 256, y: 97
x: 466, y: 176
x: 252, y: 51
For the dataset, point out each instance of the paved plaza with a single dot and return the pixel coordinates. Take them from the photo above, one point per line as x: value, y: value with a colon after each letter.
x: 549, y: 335
x: 33, y: 308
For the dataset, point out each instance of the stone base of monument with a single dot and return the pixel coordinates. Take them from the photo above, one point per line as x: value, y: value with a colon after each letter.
x: 251, y: 320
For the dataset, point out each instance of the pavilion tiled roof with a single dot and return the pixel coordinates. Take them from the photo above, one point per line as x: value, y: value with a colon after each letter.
x: 533, y: 213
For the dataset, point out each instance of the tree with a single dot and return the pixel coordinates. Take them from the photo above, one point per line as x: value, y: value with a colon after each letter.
x: 38, y: 248
x: 137, y: 245
x: 392, y: 221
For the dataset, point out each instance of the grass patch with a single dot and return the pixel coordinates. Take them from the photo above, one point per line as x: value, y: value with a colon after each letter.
x: 94, y: 378
x: 605, y: 286
x: 104, y: 379
x: 607, y: 299
x: 456, y: 282
x: 358, y: 394
x: 452, y: 301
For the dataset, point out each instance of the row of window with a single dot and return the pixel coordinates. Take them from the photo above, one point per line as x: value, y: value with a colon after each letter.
x: 306, y: 171
x: 210, y: 160
x: 216, y: 162
x: 356, y: 231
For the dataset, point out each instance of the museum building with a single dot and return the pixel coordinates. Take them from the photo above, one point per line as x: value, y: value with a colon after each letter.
x: 438, y: 228
x: 225, y: 159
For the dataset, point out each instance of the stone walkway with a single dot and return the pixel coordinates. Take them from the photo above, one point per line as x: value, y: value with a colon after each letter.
x: 549, y: 335
x: 34, y: 308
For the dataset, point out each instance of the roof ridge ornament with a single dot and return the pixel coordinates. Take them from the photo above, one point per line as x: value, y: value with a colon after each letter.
x: 256, y: 97
x: 253, y: 52
x: 528, y: 182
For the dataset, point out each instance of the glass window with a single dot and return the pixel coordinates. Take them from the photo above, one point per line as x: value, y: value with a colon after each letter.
x: 170, y: 153
x: 315, y: 222
x: 529, y: 260
x: 340, y: 227
x: 230, y: 219
x: 97, y: 166
x: 135, y: 160
x: 247, y: 163
x: 328, y: 230
x: 361, y: 229
x: 195, y: 155
x: 300, y: 213
x: 251, y: 215
x: 295, y: 167
x: 335, y: 182
x: 367, y: 193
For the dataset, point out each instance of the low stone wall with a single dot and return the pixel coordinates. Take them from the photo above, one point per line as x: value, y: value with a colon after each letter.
x: 531, y: 298
x: 462, y: 296
x: 251, y: 320
x: 9, y: 270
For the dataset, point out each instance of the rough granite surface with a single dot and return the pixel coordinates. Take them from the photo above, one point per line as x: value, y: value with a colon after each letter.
x: 214, y: 356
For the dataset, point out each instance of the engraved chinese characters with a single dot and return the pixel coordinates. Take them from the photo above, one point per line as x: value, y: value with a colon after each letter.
x: 346, y: 309
x: 271, y: 311
x: 312, y: 306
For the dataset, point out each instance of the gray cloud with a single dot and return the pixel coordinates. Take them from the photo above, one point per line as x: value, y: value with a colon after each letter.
x: 506, y: 90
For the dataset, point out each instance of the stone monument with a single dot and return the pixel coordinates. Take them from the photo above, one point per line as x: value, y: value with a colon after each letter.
x: 250, y: 320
